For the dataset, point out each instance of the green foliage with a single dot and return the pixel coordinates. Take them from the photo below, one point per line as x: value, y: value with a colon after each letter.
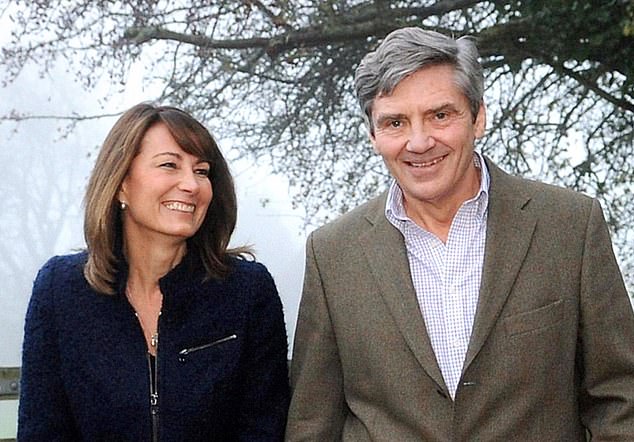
x: 628, y: 20
x: 583, y: 30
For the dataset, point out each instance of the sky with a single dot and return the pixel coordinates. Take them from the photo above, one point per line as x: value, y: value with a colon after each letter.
x: 43, y: 181
x: 45, y: 169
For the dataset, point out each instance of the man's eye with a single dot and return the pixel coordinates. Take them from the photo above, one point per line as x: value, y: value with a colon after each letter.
x: 396, y: 123
x: 441, y: 115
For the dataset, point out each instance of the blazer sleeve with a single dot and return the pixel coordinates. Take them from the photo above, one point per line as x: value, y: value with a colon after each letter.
x: 318, y: 409
x: 44, y: 412
x: 606, y: 339
x: 265, y: 391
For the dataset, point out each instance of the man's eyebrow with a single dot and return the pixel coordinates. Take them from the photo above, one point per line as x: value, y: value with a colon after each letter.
x: 443, y: 107
x: 382, y: 118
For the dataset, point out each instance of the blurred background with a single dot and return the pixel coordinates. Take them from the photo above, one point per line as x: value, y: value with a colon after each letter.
x: 273, y: 81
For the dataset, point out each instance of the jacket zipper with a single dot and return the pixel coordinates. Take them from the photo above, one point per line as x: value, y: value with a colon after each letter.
x: 153, y: 375
x: 154, y: 403
x: 184, y: 352
x: 154, y: 406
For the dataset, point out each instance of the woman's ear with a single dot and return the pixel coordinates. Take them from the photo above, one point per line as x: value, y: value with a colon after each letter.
x: 122, y: 196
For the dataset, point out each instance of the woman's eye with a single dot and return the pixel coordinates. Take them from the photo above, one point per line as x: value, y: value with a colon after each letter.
x: 169, y: 165
x: 202, y: 172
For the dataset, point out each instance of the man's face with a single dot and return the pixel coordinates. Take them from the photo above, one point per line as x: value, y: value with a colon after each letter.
x: 425, y: 133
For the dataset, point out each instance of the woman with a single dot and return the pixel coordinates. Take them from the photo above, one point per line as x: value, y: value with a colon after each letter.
x: 157, y: 331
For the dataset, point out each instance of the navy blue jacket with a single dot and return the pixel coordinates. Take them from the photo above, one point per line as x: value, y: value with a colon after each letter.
x: 85, y: 374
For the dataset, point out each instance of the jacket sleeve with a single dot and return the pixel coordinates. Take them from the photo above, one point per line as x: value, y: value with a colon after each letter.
x: 606, y: 341
x: 44, y: 412
x: 318, y: 410
x: 265, y: 387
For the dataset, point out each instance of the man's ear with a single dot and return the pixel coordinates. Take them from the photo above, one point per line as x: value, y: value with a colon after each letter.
x: 373, y: 140
x: 480, y: 121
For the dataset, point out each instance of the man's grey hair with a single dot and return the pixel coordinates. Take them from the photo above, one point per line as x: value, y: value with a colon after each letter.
x: 407, y: 50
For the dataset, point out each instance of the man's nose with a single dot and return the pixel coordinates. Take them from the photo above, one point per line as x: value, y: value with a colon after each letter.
x: 420, y: 139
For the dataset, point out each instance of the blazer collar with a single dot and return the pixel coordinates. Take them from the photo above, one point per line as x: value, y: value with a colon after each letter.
x: 385, y: 250
x: 510, y: 227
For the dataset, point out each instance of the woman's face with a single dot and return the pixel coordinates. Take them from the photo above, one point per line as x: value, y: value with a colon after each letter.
x: 167, y: 191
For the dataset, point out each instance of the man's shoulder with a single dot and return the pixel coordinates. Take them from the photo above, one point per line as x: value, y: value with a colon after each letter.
x: 541, y: 194
x: 355, y: 221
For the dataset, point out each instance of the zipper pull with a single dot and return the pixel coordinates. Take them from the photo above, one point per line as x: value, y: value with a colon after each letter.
x: 182, y: 355
x: 154, y: 411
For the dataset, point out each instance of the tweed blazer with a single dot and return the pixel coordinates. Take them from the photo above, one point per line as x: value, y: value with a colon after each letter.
x: 551, y: 356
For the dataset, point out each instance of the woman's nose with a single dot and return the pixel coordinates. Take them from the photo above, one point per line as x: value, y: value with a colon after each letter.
x: 189, y: 181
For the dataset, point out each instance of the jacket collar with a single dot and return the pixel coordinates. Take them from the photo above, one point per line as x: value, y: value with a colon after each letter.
x: 510, y: 227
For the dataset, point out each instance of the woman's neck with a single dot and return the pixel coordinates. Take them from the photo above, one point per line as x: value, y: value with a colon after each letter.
x: 148, y: 262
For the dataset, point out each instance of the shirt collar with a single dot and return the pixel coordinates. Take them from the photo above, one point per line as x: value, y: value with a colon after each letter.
x: 394, y: 208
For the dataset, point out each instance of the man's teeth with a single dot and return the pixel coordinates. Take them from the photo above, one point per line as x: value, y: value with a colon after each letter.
x: 430, y: 163
x: 181, y: 207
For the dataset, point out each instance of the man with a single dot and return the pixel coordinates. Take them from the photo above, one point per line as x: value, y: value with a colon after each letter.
x: 463, y: 304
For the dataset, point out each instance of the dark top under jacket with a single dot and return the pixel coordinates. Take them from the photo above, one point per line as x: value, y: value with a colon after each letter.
x: 221, y: 359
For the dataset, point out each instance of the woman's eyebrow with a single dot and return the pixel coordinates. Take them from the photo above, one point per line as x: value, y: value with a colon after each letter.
x: 173, y: 154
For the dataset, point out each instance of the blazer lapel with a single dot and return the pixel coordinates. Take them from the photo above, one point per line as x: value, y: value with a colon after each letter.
x: 385, y: 250
x: 510, y: 227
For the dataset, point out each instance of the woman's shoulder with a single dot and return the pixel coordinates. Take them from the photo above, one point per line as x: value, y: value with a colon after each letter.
x: 61, y: 269
x: 248, y: 272
x: 78, y: 257
x: 247, y: 265
x: 248, y: 269
x: 66, y: 263
x: 255, y: 284
x: 61, y: 278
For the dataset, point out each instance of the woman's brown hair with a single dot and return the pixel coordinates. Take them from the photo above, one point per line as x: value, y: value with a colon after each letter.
x: 102, y: 219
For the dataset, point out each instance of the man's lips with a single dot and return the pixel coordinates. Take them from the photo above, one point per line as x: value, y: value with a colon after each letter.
x: 422, y: 164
